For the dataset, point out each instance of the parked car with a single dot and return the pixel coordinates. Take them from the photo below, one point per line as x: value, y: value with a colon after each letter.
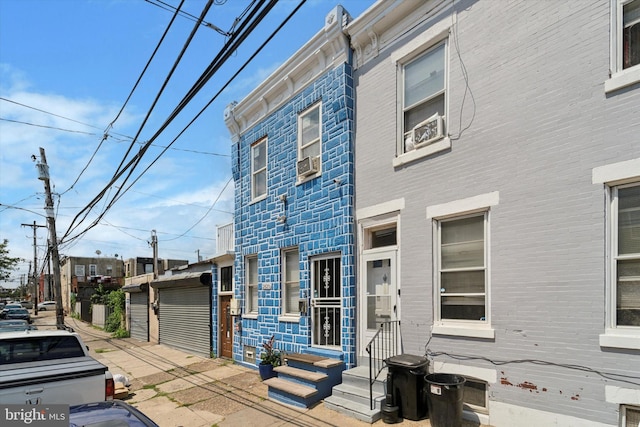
x: 113, y: 413
x: 47, y: 305
x: 8, y: 307
x: 17, y: 313
x: 15, y: 325
x: 27, y: 304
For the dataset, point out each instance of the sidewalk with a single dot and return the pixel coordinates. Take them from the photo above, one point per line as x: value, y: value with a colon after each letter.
x: 175, y: 388
x: 178, y: 389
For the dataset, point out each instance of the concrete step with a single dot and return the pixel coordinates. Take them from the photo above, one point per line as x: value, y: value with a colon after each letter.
x: 352, y: 409
x: 358, y: 394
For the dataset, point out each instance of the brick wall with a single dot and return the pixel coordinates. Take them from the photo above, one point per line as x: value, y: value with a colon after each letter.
x: 319, y: 212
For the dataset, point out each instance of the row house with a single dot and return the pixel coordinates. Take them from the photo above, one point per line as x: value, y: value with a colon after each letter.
x: 292, y: 161
x: 470, y: 169
x: 498, y: 200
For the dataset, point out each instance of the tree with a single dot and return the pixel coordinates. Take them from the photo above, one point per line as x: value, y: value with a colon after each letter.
x: 7, y: 263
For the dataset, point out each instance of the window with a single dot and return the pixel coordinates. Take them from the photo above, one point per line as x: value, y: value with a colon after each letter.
x: 626, y: 255
x: 630, y: 33
x: 259, y: 169
x: 630, y: 416
x: 461, y: 268
x: 423, y: 95
x: 226, y: 279
x: 109, y: 270
x: 475, y: 395
x: 309, y: 132
x: 79, y: 270
x: 252, y: 285
x: 291, y: 282
x: 93, y: 270
x: 625, y: 44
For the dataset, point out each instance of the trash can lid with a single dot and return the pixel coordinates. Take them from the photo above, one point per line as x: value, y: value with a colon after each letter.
x: 407, y: 360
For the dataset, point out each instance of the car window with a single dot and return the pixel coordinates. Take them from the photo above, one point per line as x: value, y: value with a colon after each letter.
x: 30, y: 349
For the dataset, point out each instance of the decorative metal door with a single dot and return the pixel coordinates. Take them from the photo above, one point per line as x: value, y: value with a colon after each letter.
x: 326, y: 302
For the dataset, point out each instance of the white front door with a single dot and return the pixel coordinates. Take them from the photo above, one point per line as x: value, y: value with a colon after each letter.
x: 380, y: 290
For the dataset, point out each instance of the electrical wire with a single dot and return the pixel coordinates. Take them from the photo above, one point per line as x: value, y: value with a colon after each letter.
x: 238, y: 37
x: 166, y: 6
x: 256, y: 52
x: 119, y: 170
x: 606, y: 375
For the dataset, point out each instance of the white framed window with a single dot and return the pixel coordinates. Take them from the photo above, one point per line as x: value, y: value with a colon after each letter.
x: 461, y: 263
x: 290, y: 282
x: 226, y: 279
x: 309, y: 145
x: 625, y: 44
x: 625, y: 247
x: 475, y: 395
x: 79, y: 270
x: 259, y: 169
x: 462, y: 268
x: 251, y: 291
x: 630, y: 416
x: 109, y: 270
x: 93, y: 270
x: 422, y: 87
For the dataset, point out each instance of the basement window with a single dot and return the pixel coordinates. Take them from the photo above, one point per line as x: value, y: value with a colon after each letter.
x: 475, y: 396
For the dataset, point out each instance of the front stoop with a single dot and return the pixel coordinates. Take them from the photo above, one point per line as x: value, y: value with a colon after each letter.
x: 351, y: 397
x: 305, y: 379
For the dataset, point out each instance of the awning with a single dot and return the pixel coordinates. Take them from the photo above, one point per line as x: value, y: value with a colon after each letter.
x: 136, y: 287
x: 183, y: 280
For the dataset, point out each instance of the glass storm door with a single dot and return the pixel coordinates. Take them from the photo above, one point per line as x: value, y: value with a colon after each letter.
x: 326, y: 300
x: 379, y: 289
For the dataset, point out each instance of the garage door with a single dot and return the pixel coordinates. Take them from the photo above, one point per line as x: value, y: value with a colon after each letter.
x: 185, y: 319
x: 139, y: 315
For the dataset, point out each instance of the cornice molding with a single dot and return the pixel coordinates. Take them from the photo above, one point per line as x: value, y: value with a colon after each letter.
x: 326, y: 50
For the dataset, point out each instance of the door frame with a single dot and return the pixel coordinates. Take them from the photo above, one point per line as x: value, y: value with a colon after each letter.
x: 375, y: 218
x: 364, y: 333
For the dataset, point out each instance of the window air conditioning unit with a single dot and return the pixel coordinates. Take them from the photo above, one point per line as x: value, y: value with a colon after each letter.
x: 427, y: 131
x: 308, y: 166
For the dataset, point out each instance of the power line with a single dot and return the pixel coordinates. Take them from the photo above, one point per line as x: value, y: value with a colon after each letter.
x: 109, y: 135
x: 232, y: 44
x: 166, y: 6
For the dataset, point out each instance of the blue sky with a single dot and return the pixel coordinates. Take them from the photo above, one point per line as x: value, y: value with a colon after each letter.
x: 66, y: 70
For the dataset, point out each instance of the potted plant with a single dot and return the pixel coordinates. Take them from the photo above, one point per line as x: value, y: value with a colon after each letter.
x: 271, y: 357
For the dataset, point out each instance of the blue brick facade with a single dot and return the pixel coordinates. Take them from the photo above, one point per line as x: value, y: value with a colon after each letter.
x: 319, y: 214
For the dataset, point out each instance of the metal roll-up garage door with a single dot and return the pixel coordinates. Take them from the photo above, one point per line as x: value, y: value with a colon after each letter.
x: 139, y: 306
x: 185, y: 319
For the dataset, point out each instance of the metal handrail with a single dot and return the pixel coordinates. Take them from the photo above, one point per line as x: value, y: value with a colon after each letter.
x: 383, y: 345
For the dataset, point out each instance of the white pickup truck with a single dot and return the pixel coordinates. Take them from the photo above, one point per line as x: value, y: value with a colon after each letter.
x: 50, y: 367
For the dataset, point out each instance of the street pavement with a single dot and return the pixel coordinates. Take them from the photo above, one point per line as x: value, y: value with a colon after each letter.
x: 178, y: 389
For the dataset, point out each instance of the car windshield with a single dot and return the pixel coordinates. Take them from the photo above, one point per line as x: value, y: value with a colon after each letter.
x: 18, y: 311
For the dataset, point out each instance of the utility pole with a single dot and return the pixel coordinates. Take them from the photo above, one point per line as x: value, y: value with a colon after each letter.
x: 154, y: 245
x: 43, y: 174
x: 35, y: 266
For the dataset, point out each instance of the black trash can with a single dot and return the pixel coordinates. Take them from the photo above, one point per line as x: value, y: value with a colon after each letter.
x: 444, y: 396
x: 405, y: 385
